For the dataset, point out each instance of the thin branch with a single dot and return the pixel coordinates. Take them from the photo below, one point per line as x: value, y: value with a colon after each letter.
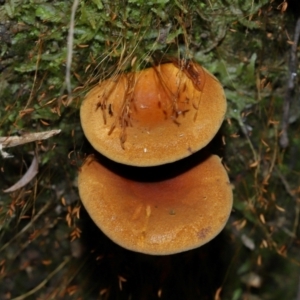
x: 24, y: 229
x: 293, y: 65
x: 70, y: 47
x: 13, y: 141
x: 245, y: 132
x: 39, y: 43
x: 45, y: 281
x: 292, y: 195
x: 298, y: 293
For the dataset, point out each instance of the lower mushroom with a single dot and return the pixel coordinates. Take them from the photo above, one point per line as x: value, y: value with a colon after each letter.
x: 181, y: 212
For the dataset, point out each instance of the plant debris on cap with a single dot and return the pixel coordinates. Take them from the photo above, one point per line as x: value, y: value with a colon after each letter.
x: 155, y: 116
x: 158, y: 217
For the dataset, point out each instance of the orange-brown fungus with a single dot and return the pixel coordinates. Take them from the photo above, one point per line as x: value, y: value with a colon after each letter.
x: 158, y: 217
x: 154, y: 116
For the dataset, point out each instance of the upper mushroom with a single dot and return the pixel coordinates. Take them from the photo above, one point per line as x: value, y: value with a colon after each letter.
x: 155, y: 116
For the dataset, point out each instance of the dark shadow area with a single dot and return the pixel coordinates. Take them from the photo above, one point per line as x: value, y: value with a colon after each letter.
x: 162, y: 172
x: 195, y: 274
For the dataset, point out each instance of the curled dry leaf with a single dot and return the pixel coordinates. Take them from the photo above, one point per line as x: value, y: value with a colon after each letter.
x: 27, y: 177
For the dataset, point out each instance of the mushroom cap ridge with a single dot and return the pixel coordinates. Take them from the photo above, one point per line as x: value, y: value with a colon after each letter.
x: 158, y: 218
x: 155, y: 116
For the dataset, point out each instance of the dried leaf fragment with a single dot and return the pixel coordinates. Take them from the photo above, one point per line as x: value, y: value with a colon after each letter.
x: 12, y: 141
x: 248, y: 242
x: 27, y: 177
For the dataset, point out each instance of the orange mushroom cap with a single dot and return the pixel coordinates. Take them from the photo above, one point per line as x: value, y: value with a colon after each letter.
x: 155, y: 116
x: 171, y: 215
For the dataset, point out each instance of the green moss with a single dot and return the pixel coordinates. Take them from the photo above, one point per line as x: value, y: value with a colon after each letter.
x: 244, y: 43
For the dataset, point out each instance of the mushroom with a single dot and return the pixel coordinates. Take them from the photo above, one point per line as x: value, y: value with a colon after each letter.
x: 155, y: 116
x: 159, y: 210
